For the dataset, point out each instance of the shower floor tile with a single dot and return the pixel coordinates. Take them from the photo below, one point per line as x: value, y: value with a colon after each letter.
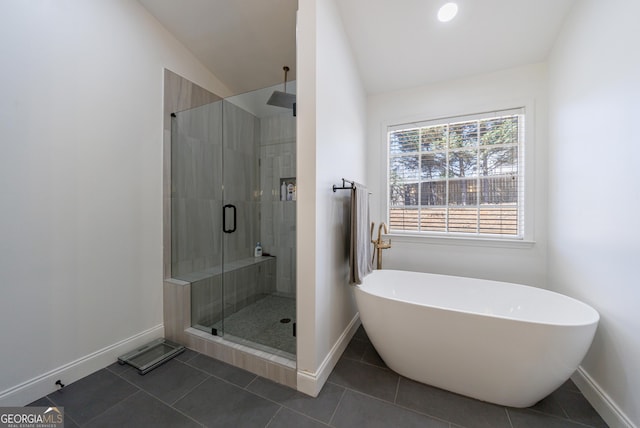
x: 261, y: 323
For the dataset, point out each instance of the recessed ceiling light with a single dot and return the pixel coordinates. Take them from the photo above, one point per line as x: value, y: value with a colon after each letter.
x: 447, y: 12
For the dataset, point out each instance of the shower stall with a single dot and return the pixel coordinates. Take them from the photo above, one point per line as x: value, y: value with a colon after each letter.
x: 233, y: 187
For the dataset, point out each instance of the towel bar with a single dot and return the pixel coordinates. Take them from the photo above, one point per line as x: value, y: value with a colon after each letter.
x: 353, y: 185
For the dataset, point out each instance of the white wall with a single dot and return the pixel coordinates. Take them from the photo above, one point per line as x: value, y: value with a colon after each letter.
x: 331, y: 145
x: 81, y: 185
x: 594, y: 200
x: 523, y: 86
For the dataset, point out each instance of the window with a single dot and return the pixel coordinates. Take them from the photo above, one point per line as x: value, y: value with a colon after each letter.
x: 458, y: 176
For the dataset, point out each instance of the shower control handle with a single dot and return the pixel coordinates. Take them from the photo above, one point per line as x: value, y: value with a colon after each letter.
x: 224, y: 218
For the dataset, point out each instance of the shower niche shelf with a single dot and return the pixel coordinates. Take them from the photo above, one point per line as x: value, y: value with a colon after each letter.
x: 288, y: 189
x: 151, y: 355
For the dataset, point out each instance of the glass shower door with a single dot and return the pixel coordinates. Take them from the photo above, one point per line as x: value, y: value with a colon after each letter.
x: 259, y: 309
x: 223, y: 203
x: 242, y: 279
x: 196, y: 211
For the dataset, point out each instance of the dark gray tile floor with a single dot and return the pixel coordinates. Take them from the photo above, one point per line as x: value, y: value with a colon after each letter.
x: 195, y: 390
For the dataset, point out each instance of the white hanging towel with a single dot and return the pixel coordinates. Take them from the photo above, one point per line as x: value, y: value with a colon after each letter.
x: 360, y: 243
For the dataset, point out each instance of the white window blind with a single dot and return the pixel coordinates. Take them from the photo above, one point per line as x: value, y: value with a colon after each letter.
x: 461, y: 175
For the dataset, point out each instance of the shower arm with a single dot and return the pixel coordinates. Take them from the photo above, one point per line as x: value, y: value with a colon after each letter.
x: 286, y: 70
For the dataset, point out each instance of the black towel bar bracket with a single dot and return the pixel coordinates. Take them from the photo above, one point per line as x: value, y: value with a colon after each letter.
x: 344, y: 186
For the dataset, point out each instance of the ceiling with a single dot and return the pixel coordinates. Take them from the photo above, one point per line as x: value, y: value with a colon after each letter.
x: 396, y: 43
x: 245, y: 43
x: 401, y: 44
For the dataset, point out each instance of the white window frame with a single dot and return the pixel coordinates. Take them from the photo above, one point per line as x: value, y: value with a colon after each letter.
x: 526, y: 155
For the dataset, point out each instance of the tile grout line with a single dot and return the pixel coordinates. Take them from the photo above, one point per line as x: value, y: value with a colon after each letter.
x: 273, y: 417
x: 395, y: 397
x: 436, y: 418
x: 389, y: 402
x: 246, y: 388
x: 120, y: 373
x: 108, y: 408
x: 171, y: 406
x: 551, y: 415
x: 174, y: 408
x: 362, y: 361
x: 283, y: 405
x: 186, y: 393
x: 400, y: 406
x: 564, y: 410
x: 65, y: 413
x: 557, y: 417
x: 223, y: 379
x: 307, y: 416
x: 333, y: 415
x: 508, y: 417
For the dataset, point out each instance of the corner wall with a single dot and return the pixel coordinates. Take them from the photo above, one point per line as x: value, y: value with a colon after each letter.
x: 81, y: 179
x: 593, y: 196
x: 331, y: 145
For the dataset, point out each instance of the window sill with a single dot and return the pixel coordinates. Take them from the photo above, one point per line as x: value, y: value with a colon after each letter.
x: 460, y: 240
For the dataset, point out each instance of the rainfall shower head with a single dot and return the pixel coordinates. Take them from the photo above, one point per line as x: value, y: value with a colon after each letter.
x: 283, y: 99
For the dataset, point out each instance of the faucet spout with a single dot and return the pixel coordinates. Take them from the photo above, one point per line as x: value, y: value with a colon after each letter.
x: 380, y: 229
x: 379, y: 244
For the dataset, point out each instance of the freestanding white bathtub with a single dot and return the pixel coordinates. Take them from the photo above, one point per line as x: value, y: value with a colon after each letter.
x: 503, y: 343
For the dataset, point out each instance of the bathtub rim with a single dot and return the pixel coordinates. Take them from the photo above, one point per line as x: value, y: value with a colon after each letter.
x: 595, y: 315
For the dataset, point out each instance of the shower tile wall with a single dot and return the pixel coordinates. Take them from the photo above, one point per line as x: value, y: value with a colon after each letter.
x: 179, y: 95
x: 196, y: 188
x: 243, y: 286
x: 197, y: 177
x: 278, y: 219
x: 241, y: 185
x: 199, y: 170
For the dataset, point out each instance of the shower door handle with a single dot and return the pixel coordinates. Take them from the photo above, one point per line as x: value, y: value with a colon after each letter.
x: 224, y: 218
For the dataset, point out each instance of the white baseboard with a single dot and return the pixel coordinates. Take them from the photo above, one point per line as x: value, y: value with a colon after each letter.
x: 312, y: 383
x: 44, y: 384
x: 601, y: 402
